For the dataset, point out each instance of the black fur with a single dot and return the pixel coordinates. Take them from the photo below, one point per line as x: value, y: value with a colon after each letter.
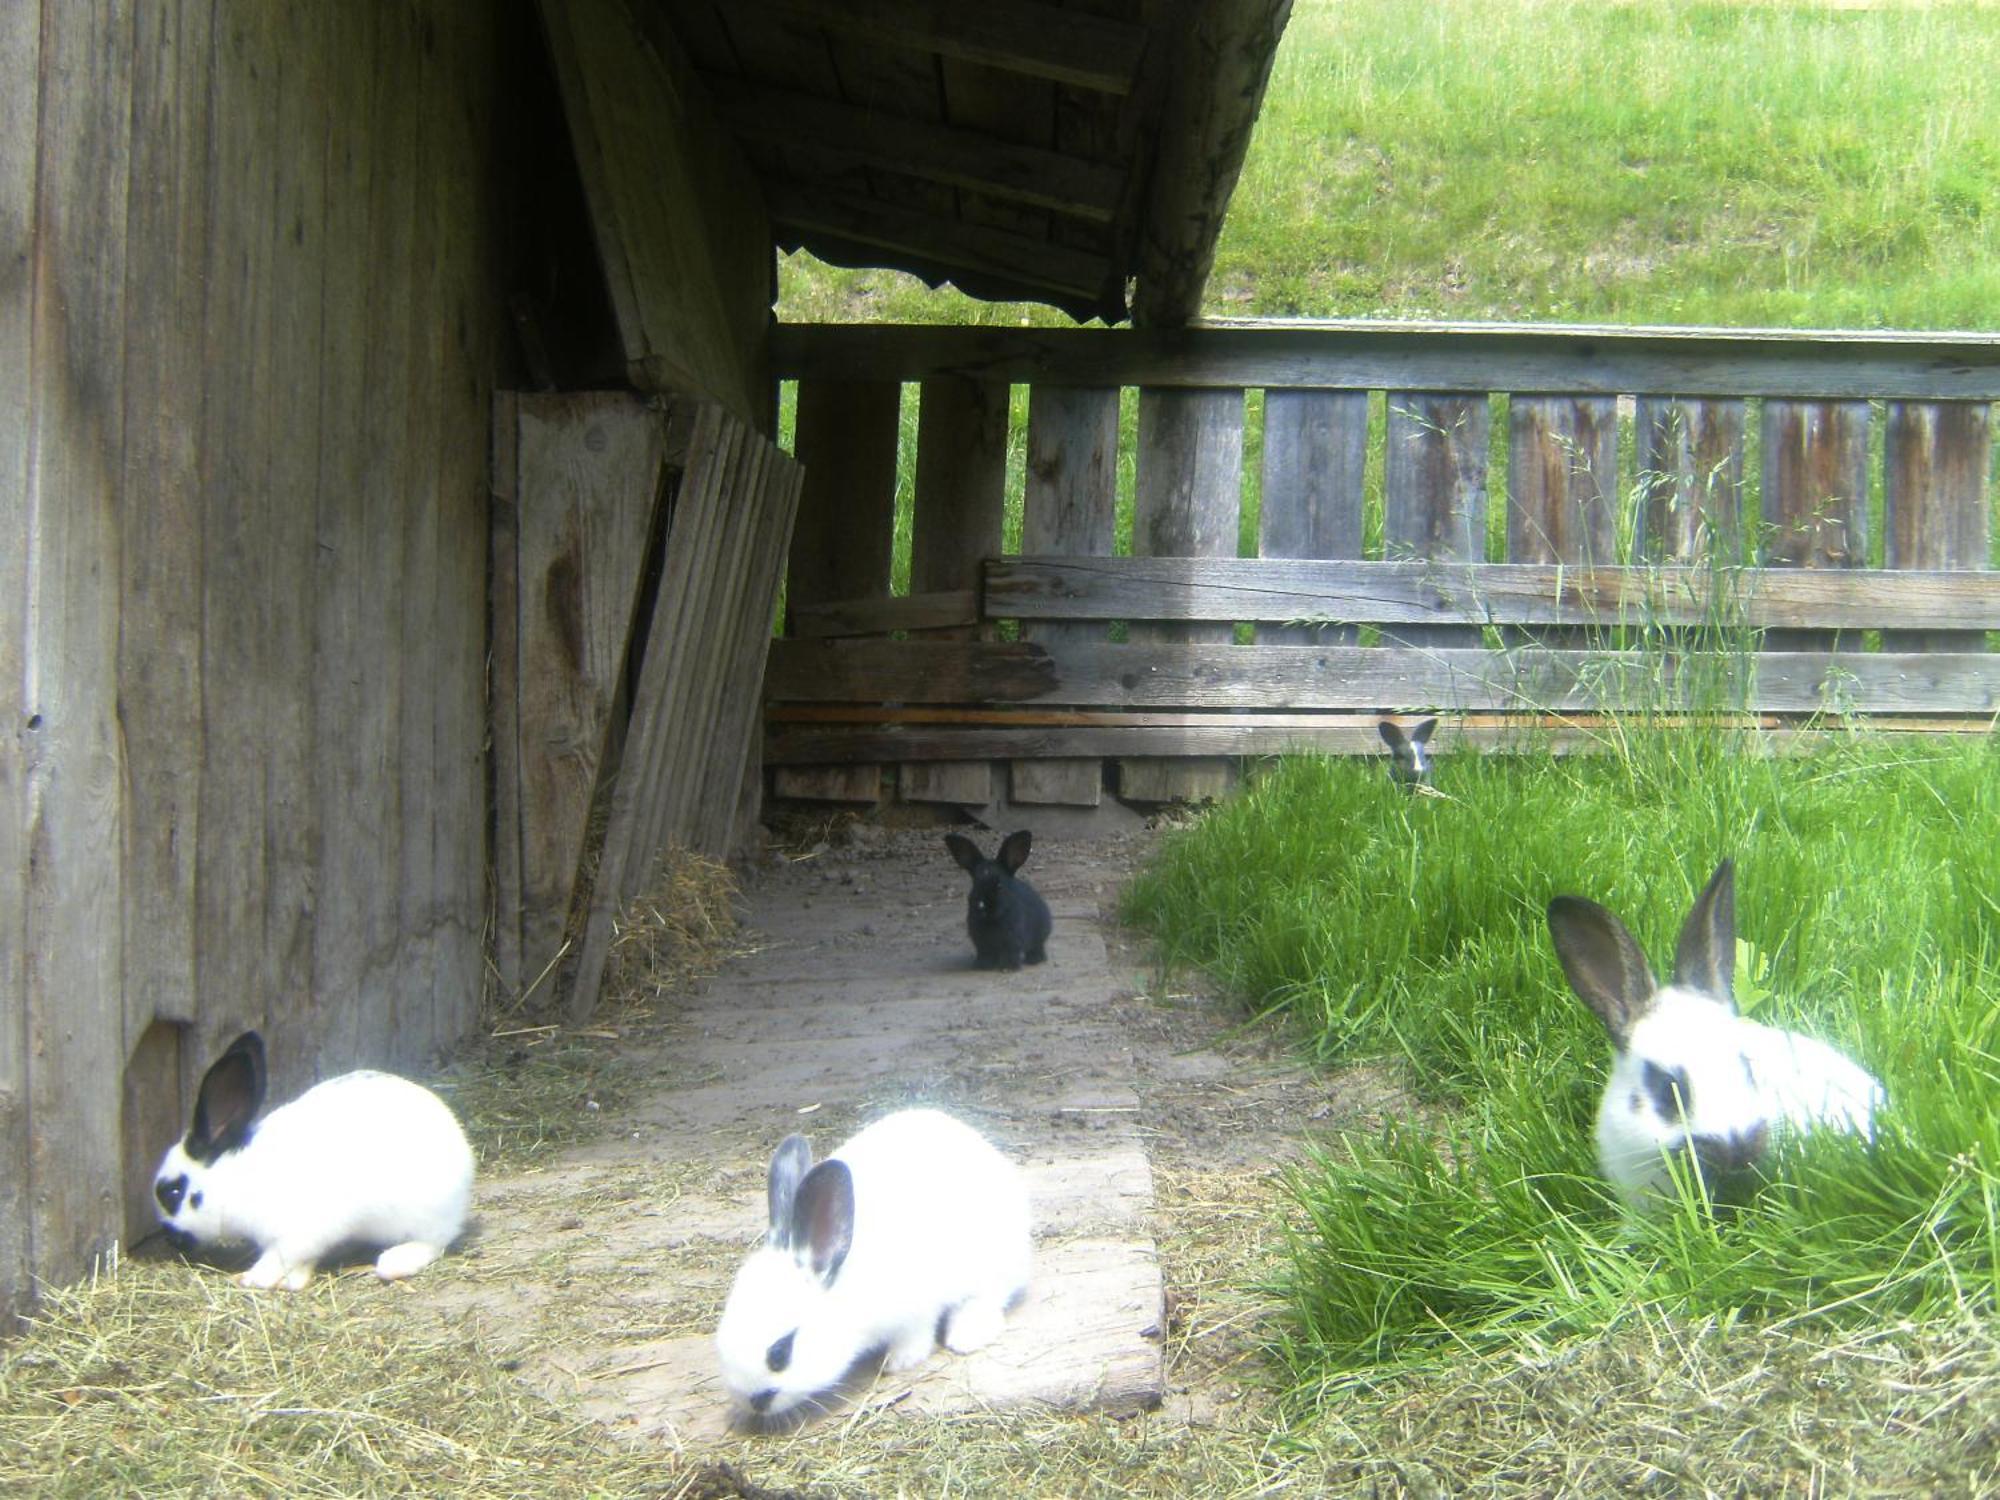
x: 1005, y: 917
x: 232, y: 1091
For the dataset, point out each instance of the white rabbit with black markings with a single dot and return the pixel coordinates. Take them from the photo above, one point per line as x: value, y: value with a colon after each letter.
x: 914, y: 1232
x: 366, y: 1158
x: 1692, y: 1079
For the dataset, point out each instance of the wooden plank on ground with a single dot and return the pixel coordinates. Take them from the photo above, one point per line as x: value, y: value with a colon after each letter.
x: 1069, y: 505
x: 1690, y: 456
x: 956, y: 525
x: 1935, y: 462
x: 846, y: 438
x: 1209, y: 675
x: 1815, y: 492
x: 74, y: 766
x: 1190, y: 475
x: 20, y: 56
x: 589, y: 482
x: 1230, y: 588
x: 1434, y: 462
x: 1315, y: 453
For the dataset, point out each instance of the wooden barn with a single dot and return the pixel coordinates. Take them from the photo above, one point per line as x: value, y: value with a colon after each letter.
x: 392, y: 521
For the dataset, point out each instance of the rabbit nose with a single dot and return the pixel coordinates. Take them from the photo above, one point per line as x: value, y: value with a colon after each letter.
x: 1727, y: 1155
x: 761, y: 1402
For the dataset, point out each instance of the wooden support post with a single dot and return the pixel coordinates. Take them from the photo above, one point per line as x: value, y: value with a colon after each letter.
x: 1936, y: 458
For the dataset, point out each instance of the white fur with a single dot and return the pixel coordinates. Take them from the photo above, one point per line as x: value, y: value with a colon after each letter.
x: 364, y: 1158
x: 1742, y: 1075
x: 941, y: 1233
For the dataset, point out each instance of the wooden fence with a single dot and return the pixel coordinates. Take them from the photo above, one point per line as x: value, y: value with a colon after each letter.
x: 1800, y: 520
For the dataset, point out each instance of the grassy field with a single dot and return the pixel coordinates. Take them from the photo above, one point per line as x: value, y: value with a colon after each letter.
x: 1651, y: 162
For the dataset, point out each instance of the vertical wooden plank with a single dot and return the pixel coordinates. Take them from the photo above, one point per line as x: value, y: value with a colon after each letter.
x: 589, y: 476
x: 1434, y: 492
x: 346, y: 597
x: 1935, y: 462
x: 1190, y: 476
x: 503, y: 694
x: 841, y: 542
x: 1070, y: 508
x: 73, y: 961
x: 293, y: 76
x: 1815, y: 495
x: 20, y: 95
x: 238, y: 678
x: 960, y: 496
x: 1690, y: 456
x: 1315, y: 454
x: 1562, y: 480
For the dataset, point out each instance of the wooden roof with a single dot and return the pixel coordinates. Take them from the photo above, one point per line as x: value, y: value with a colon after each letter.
x: 1073, y: 152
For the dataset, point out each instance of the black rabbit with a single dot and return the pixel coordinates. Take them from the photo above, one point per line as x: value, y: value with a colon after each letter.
x: 1409, y: 754
x: 1006, y: 918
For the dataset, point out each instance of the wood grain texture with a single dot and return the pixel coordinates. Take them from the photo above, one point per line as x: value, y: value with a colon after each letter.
x: 1815, y: 491
x: 1936, y: 460
x: 1315, y: 456
x: 504, y: 692
x: 1690, y: 457
x: 1434, y: 489
x: 1370, y: 356
x: 1562, y: 480
x: 20, y: 94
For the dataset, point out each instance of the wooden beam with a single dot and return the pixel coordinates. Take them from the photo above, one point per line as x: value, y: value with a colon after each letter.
x: 1018, y: 36
x: 945, y: 242
x: 920, y: 148
x: 1306, y: 590
x: 1361, y: 356
x: 942, y: 609
x: 1199, y: 675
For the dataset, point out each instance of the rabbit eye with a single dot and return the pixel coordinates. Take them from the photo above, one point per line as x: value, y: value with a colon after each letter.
x: 780, y: 1353
x: 170, y: 1191
x: 1669, y: 1091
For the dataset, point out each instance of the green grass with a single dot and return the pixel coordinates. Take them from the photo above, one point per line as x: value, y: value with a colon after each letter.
x: 1385, y: 925
x: 1651, y: 162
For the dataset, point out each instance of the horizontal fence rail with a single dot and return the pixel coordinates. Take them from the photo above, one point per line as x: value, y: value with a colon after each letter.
x: 1509, y: 524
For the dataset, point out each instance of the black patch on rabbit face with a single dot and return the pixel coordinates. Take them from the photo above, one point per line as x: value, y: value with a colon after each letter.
x: 761, y: 1401
x: 1668, y: 1090
x: 779, y: 1354
x: 169, y: 1191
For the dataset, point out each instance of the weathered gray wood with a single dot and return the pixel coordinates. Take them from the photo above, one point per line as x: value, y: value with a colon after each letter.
x: 20, y: 51
x: 941, y: 609
x: 681, y: 233
x: 589, y: 477
x: 1434, y: 489
x: 1190, y: 475
x: 1069, y: 505
x: 845, y: 437
x: 159, y: 654
x: 504, y: 692
x: 1935, y: 463
x: 1315, y: 454
x: 1815, y: 491
x: 1353, y: 677
x: 1410, y: 593
x: 1223, y: 51
x: 1362, y: 356
x: 1690, y: 457
x: 73, y: 959
x: 1562, y: 480
x: 956, y: 526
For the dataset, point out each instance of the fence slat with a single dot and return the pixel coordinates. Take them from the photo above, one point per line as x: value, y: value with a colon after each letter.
x: 1935, y: 462
x: 1315, y: 454
x: 845, y: 532
x: 1190, y: 475
x: 960, y: 499
x: 1815, y: 492
x: 1691, y: 478
x: 1070, y: 505
x: 1434, y: 492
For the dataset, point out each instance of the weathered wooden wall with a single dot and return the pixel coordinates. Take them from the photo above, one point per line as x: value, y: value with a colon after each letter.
x: 248, y: 329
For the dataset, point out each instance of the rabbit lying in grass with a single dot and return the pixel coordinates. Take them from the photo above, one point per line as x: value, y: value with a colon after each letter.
x: 1409, y: 753
x: 1006, y: 918
x: 1692, y: 1079
x: 913, y: 1233
x: 363, y: 1159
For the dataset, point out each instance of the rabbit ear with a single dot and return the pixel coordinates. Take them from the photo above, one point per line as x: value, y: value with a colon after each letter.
x: 1705, y: 957
x: 232, y: 1091
x: 1391, y: 732
x: 1606, y: 968
x: 1422, y: 733
x: 963, y: 850
x: 789, y: 1163
x: 1014, y: 850
x: 823, y: 1219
